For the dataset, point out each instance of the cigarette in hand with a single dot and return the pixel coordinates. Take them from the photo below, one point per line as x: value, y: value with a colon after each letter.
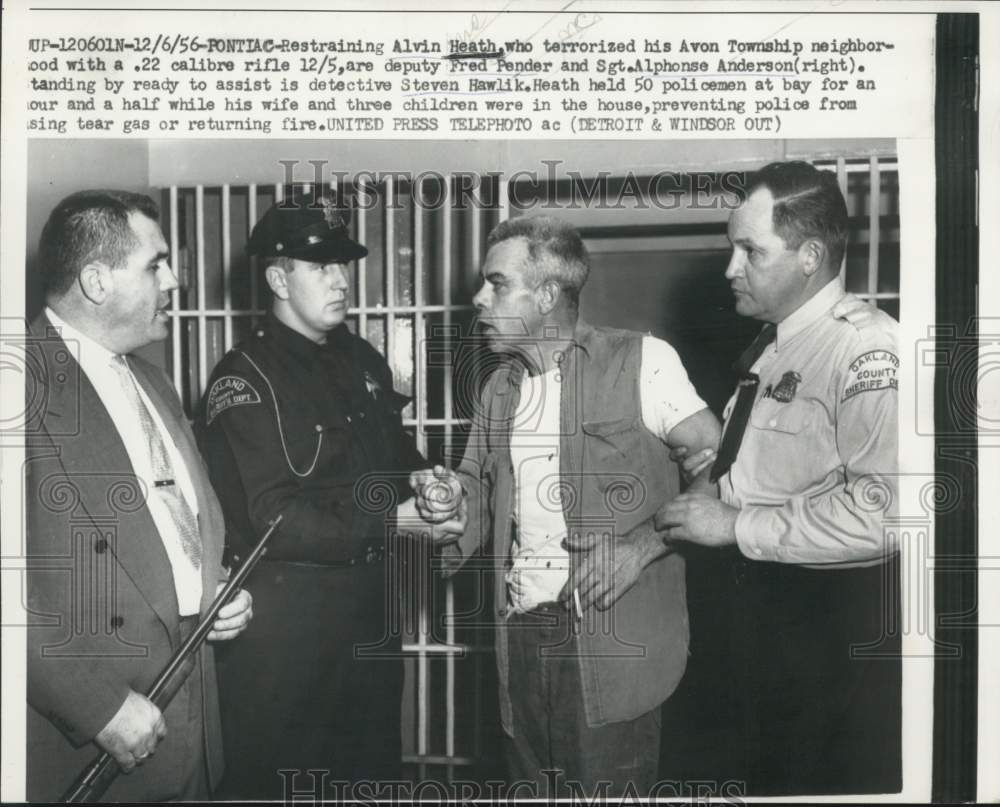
x: 576, y: 602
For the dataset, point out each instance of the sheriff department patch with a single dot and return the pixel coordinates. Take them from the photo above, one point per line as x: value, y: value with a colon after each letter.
x: 227, y: 392
x: 870, y: 372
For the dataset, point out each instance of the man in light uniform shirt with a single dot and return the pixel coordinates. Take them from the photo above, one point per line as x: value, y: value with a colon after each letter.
x: 566, y: 465
x: 124, y: 533
x: 807, y: 473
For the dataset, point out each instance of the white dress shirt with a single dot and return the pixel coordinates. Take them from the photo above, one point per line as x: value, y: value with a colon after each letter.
x: 96, y: 362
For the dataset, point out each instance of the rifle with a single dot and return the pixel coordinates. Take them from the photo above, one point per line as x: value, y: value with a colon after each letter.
x: 97, y: 777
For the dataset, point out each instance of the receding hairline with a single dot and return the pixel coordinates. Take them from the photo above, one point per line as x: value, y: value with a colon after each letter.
x: 526, y: 265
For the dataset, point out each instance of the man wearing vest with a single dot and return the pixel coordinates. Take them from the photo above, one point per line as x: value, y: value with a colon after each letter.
x: 567, y: 462
x: 807, y: 482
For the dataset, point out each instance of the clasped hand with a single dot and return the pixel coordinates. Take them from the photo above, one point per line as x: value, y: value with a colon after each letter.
x: 438, y: 508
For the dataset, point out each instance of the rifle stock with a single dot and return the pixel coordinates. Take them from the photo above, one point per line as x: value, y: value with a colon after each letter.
x: 97, y: 777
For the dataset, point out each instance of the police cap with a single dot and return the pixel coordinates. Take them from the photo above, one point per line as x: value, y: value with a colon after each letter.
x: 310, y: 229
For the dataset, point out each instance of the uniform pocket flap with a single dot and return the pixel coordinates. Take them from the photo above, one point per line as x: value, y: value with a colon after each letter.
x: 788, y: 418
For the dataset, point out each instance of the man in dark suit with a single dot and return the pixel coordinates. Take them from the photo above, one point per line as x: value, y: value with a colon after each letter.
x: 124, y: 533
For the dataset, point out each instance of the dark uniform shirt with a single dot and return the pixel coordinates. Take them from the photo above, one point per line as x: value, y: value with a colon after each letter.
x: 310, y: 431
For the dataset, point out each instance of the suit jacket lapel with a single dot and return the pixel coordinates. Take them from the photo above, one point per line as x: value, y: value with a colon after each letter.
x: 210, y: 522
x: 94, y: 458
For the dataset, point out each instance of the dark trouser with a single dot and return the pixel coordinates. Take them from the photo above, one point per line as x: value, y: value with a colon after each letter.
x: 195, y: 787
x: 550, y: 727
x: 823, y: 678
x: 299, y: 691
x: 190, y: 781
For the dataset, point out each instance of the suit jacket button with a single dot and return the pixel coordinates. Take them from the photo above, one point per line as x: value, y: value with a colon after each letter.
x: 100, y: 546
x: 117, y: 621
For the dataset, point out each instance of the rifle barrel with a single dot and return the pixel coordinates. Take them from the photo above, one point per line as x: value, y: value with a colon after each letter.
x: 97, y: 777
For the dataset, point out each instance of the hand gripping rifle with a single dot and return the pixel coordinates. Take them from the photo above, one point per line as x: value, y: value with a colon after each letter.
x: 99, y: 774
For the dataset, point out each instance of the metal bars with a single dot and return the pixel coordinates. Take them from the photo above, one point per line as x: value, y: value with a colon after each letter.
x: 875, y: 167
x: 874, y: 209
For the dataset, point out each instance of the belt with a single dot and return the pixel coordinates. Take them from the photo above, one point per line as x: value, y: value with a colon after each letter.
x: 552, y: 607
x: 372, y: 555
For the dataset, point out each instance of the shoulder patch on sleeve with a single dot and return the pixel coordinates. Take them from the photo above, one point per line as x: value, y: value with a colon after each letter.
x: 870, y: 372
x: 227, y: 392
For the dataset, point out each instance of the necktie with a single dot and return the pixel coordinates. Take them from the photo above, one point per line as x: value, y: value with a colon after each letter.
x: 745, y: 395
x: 163, y: 472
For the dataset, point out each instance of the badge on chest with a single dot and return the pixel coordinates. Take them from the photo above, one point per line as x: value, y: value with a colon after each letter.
x: 374, y: 388
x: 784, y: 391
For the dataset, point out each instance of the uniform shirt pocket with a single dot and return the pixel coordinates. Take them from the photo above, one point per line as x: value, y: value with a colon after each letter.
x: 786, y: 418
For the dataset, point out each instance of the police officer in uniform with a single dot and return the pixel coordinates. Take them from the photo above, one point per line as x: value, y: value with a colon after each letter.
x: 302, y: 419
x: 807, y: 474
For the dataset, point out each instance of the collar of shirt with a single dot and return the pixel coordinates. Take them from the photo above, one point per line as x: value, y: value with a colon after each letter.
x: 94, y: 358
x: 96, y: 362
x: 582, y: 334
x: 810, y: 311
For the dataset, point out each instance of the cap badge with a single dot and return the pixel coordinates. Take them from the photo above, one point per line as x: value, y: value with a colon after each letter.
x: 374, y: 388
x: 332, y: 215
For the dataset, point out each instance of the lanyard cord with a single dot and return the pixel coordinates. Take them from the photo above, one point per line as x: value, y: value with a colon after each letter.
x: 281, y: 432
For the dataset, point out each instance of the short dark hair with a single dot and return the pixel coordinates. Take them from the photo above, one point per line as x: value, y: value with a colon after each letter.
x: 807, y: 204
x: 285, y: 262
x: 555, y: 251
x: 88, y: 226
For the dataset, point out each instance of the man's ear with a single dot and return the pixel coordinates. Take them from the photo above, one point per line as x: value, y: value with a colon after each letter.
x: 549, y: 294
x: 96, y: 281
x: 276, y: 280
x: 811, y: 254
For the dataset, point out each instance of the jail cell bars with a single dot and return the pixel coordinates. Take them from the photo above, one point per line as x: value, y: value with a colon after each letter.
x: 410, y: 298
x: 870, y: 268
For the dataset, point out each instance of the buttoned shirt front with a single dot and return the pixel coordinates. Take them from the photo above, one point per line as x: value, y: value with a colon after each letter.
x: 96, y: 362
x: 540, y: 561
x: 617, y: 473
x: 815, y: 479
